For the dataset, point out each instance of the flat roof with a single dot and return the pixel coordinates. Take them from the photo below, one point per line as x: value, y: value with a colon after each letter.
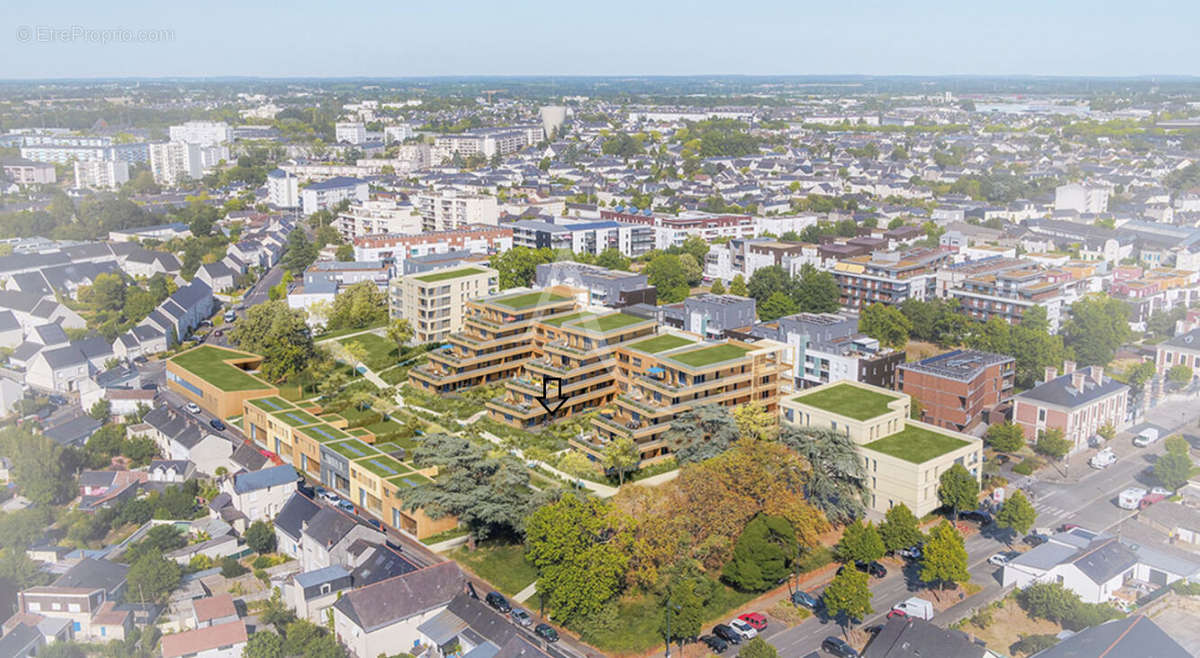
x: 558, y: 320
x: 660, y: 343
x: 384, y: 466
x: 849, y: 401
x: 208, y: 362
x: 352, y: 449
x: 295, y: 417
x: 449, y: 274
x: 323, y: 433
x: 707, y: 356
x: 612, y: 322
x: 524, y: 300
x: 272, y: 403
x: 409, y: 480
x: 916, y: 444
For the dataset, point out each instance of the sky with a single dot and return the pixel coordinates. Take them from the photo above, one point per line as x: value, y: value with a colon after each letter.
x: 403, y: 38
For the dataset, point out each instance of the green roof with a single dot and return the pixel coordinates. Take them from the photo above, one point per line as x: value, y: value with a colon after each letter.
x: 606, y: 323
x: 524, y: 300
x: 449, y: 274
x: 916, y: 444
x: 384, y: 466
x: 409, y: 480
x: 849, y: 401
x: 558, y: 320
x: 208, y: 363
x: 272, y: 404
x: 660, y: 343
x: 295, y: 417
x: 352, y: 449
x: 323, y: 433
x: 358, y: 431
x: 707, y: 356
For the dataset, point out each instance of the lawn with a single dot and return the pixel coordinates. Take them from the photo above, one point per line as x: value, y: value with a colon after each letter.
x: 323, y: 433
x: 522, y: 301
x: 559, y: 320
x: 338, y: 333
x: 661, y: 343
x: 208, y: 362
x: 849, y: 401
x: 353, y: 449
x: 606, y: 323
x: 916, y: 444
x: 449, y: 274
x: 1005, y: 624
x: 502, y: 565
x: 296, y: 417
x: 707, y: 356
x: 380, y: 352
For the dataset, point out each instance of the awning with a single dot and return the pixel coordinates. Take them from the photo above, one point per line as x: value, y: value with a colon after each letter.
x: 443, y: 627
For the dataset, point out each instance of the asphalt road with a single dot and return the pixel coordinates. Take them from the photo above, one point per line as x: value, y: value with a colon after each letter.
x: 258, y: 293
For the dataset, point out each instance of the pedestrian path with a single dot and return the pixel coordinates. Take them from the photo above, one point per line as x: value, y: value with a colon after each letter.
x: 523, y: 595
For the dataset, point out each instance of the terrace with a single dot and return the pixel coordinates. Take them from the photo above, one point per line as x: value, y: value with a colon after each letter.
x: 353, y: 449
x: 383, y: 466
x: 295, y: 417
x: 272, y: 404
x: 849, y: 401
x: 559, y: 320
x: 212, y: 364
x: 323, y: 433
x: 607, y: 323
x: 710, y: 356
x: 449, y: 274
x: 660, y: 344
x: 916, y: 444
x: 526, y: 300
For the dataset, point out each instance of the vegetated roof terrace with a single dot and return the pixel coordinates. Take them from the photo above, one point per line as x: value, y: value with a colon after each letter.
x: 449, y: 274
x: 849, y: 401
x: 707, y: 356
x: 209, y: 362
x: 916, y: 444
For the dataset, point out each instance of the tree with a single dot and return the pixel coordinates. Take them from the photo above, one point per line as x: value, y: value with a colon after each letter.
x: 838, y: 482
x: 885, y: 324
x: 580, y: 555
x: 101, y: 410
x: 776, y: 306
x: 848, y: 597
x: 717, y: 288
x: 280, y: 334
x: 518, y: 265
x: 701, y: 432
x: 758, y: 648
x: 400, y: 331
x: 344, y: 253
x: 1017, y: 514
x: 1107, y: 432
x: 754, y: 421
x: 1174, y: 467
x: 692, y: 269
x: 299, y: 252
x: 621, y: 455
x: 944, y: 557
x: 1179, y: 374
x: 1099, y: 324
x: 684, y: 602
x: 263, y: 644
x: 152, y: 577
x: 361, y: 305
x: 816, y: 291
x: 738, y: 286
x: 1139, y: 374
x: 667, y: 274
x: 860, y: 542
x: 260, y: 537
x: 767, y: 281
x: 762, y: 554
x: 958, y: 489
x: 43, y: 471
x: 613, y: 259
x: 900, y: 529
x: 1005, y: 437
x: 1052, y: 444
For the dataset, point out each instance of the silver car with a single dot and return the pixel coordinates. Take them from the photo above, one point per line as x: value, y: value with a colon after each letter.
x: 521, y: 618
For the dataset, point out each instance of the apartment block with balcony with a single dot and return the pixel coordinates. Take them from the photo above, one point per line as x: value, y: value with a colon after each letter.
x: 889, y: 277
x: 1009, y: 293
x: 450, y: 210
x: 435, y: 302
x: 828, y: 347
x: 904, y: 459
x: 496, y: 339
x: 377, y: 217
x: 958, y: 388
x: 664, y: 376
x: 573, y: 368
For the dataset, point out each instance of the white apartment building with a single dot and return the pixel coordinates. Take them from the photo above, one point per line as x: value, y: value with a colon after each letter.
x: 329, y: 193
x: 1084, y: 199
x: 449, y: 209
x: 435, y: 302
x: 28, y: 172
x: 101, y: 174
x: 397, y: 133
x: 283, y: 189
x: 351, y: 132
x: 204, y: 133
x: 176, y: 161
x: 398, y: 248
x: 380, y: 216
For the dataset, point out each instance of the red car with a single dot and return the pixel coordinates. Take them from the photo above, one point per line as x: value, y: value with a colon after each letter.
x: 896, y: 613
x: 756, y: 620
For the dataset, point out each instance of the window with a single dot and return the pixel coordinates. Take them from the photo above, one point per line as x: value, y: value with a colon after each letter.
x: 34, y: 606
x: 74, y: 607
x: 1041, y: 415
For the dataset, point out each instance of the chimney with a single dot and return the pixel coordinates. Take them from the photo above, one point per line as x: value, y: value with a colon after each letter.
x: 1098, y: 374
x: 1068, y: 367
x: 1077, y: 380
x: 1051, y: 373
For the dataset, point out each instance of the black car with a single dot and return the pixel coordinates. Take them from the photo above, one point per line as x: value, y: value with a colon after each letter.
x: 57, y: 400
x: 978, y: 516
x: 872, y: 568
x: 716, y: 644
x: 545, y: 631
x: 1035, y: 539
x: 217, y: 425
x: 838, y: 647
x: 726, y: 632
x: 497, y: 601
x: 149, y: 387
x: 376, y: 523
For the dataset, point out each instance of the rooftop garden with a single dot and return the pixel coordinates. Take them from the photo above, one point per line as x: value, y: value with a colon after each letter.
x: 526, y: 300
x: 916, y: 444
x: 449, y: 274
x: 611, y: 322
x: 272, y: 404
x: 661, y: 343
x: 410, y: 480
x: 384, y: 466
x: 323, y: 433
x: 849, y: 401
x: 353, y: 449
x: 209, y: 362
x: 707, y: 356
x: 296, y: 417
x: 558, y: 321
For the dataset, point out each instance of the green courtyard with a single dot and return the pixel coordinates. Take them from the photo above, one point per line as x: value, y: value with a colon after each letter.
x: 849, y: 401
x: 380, y: 352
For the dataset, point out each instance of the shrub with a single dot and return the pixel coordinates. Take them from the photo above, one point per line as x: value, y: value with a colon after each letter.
x: 982, y: 619
x: 1031, y: 644
x: 1026, y: 467
x: 1185, y: 588
x: 261, y: 562
x: 231, y: 568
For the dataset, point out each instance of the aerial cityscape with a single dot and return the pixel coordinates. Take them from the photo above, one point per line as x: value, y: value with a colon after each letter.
x: 522, y: 332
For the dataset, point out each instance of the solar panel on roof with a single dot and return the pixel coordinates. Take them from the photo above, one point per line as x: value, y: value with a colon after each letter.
x: 383, y: 467
x: 296, y: 418
x: 323, y: 433
x: 271, y: 403
x: 350, y: 447
x: 409, y: 482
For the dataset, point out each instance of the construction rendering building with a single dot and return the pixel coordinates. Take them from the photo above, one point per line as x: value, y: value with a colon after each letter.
x: 217, y: 379
x: 496, y: 339
x: 958, y: 388
x: 435, y: 302
x: 828, y: 347
x: 660, y: 377
x: 904, y: 459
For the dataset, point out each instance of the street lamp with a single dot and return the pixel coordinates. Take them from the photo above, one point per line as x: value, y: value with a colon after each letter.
x: 670, y: 607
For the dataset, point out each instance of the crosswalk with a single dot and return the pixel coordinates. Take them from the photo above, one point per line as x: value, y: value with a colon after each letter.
x: 1046, y: 509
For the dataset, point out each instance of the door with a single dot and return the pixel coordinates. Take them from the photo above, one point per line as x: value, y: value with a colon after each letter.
x: 1158, y: 578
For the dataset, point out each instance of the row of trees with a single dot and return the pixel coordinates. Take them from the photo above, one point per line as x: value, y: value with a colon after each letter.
x: 778, y: 293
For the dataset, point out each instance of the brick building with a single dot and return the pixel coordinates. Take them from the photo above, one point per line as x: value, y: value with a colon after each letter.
x: 1078, y: 402
x: 955, y: 389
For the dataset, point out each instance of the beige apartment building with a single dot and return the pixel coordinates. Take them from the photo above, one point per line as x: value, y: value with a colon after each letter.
x: 904, y: 459
x: 435, y: 302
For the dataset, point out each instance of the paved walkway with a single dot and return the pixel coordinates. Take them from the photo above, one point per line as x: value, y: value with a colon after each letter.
x: 374, y: 330
x: 655, y: 480
x: 524, y: 594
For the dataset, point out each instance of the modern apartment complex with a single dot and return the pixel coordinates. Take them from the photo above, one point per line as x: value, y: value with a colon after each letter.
x: 1008, y: 293
x: 283, y: 189
x: 1077, y: 403
x: 435, y: 302
x: 27, y: 172
x: 583, y: 236
x: 396, y: 248
x: 956, y: 389
x: 889, y: 277
x: 205, y: 133
x: 173, y: 162
x: 672, y: 230
x: 350, y: 132
x: 101, y: 174
x: 328, y: 193
x: 828, y: 347
x: 450, y: 210
x: 599, y: 286
x: 375, y: 217
x: 711, y: 316
x: 662, y: 376
x: 496, y: 340
x: 62, y: 149
x: 904, y: 459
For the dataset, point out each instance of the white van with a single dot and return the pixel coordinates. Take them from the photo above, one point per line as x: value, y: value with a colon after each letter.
x: 915, y: 607
x: 1145, y: 437
x: 1131, y: 498
x: 1103, y: 459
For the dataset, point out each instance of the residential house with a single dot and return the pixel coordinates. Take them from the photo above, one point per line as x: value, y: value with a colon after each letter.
x: 1078, y: 403
x: 219, y: 641
x: 181, y: 438
x: 219, y: 276
x: 11, y: 333
x: 213, y: 611
x: 385, y: 617
x: 86, y: 596
x: 1136, y: 636
x: 73, y: 432
x: 173, y: 471
x: 909, y: 637
x: 475, y: 628
x: 1090, y: 565
x: 289, y: 524
x: 261, y: 494
x: 58, y: 370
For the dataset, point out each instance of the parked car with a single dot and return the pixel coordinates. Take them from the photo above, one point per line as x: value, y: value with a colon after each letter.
x: 978, y: 516
x: 715, y: 644
x: 1131, y: 498
x: 219, y: 332
x: 1146, y: 437
x: 910, y: 553
x: 1161, y: 491
x: 345, y: 505
x: 800, y: 597
x: 1067, y: 527
x: 915, y: 607
x: 217, y: 425
x: 149, y: 387
x: 1149, y: 499
x: 1103, y: 459
x: 57, y: 400
x: 757, y: 620
x: 377, y: 524
x: 727, y: 633
x: 521, y: 618
x: 192, y: 407
x: 546, y: 632
x: 1001, y: 559
x: 497, y: 601
x: 1035, y: 539
x: 742, y: 628
x: 872, y: 568
x: 838, y: 647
